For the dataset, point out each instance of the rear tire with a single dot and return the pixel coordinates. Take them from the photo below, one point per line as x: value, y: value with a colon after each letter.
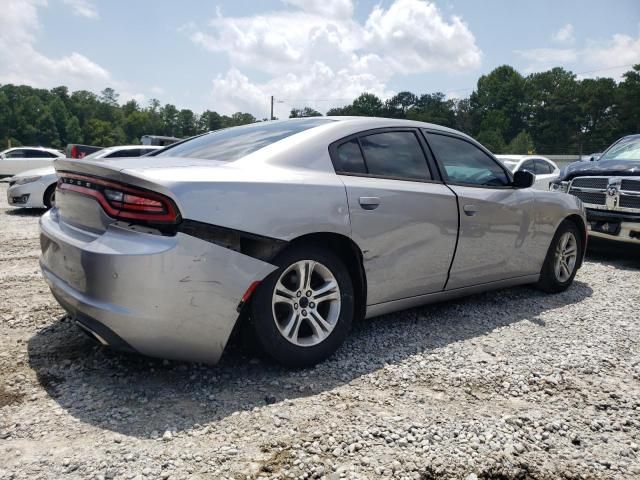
x: 49, y: 198
x: 562, y: 260
x: 302, y: 312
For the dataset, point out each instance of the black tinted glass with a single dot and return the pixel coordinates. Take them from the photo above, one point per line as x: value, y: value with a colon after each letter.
x: 529, y: 166
x: 128, y: 152
x: 233, y: 143
x: 395, y: 154
x: 465, y: 163
x: 543, y: 168
x: 349, y: 158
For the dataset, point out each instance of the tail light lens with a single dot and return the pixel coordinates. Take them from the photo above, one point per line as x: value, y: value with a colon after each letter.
x: 122, y: 201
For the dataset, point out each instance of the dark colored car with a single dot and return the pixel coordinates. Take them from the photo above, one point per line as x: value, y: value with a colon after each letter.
x: 609, y: 188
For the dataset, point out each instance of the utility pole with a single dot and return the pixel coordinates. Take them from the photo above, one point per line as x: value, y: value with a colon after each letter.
x: 271, y: 118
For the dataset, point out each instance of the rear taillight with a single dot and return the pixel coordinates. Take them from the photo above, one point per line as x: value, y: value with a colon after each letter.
x: 122, y: 201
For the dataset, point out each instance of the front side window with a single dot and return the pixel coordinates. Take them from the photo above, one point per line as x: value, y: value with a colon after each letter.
x: 234, y: 143
x: 15, y: 154
x: 465, y: 163
x: 529, y: 166
x: 543, y: 168
x: 396, y: 155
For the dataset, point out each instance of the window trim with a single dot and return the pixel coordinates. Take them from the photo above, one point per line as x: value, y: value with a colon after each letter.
x: 474, y: 143
x: 429, y: 161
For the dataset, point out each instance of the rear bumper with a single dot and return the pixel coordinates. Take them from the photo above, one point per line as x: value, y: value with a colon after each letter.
x: 618, y: 226
x: 168, y: 297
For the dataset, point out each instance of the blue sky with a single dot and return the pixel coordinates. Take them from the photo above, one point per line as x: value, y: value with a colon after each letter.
x: 231, y: 55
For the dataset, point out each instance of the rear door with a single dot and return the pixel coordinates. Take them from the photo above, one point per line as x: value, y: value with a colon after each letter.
x: 496, y: 220
x: 403, y: 217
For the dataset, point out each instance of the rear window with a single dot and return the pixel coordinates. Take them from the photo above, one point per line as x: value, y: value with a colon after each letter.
x: 233, y: 143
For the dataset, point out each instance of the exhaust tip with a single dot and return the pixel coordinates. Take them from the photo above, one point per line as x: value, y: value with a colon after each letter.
x: 92, y: 334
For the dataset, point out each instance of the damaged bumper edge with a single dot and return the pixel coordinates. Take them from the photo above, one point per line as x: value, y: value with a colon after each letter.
x: 169, y: 297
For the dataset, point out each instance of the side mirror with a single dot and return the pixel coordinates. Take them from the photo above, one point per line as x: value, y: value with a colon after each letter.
x: 523, y: 179
x: 594, y: 158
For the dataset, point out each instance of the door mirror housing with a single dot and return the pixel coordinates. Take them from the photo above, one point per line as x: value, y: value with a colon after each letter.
x: 523, y: 179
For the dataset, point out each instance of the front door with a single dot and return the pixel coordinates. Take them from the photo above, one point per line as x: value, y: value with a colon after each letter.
x: 496, y: 219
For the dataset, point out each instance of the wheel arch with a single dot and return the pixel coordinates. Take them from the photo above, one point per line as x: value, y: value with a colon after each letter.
x: 351, y: 255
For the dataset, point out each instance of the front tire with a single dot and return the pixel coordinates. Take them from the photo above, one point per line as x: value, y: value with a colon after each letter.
x: 49, y: 198
x: 563, y: 258
x: 302, y: 312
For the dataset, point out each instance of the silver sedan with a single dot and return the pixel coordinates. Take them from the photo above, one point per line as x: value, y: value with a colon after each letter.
x: 297, y: 227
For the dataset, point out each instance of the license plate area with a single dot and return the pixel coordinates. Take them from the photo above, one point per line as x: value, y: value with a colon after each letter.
x: 610, y: 228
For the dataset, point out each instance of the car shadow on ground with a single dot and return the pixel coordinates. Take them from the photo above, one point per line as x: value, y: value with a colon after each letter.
x: 26, y: 212
x: 623, y: 256
x: 139, y: 396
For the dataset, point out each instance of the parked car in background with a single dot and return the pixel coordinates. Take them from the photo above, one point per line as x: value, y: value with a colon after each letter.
x: 19, y: 159
x: 544, y: 169
x: 37, y: 188
x: 609, y: 187
x: 76, y: 150
x: 158, y: 140
x: 301, y: 224
x: 122, y: 151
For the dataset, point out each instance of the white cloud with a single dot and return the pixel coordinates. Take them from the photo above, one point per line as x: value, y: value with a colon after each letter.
x: 319, y: 55
x: 327, y: 8
x: 82, y: 8
x: 611, y: 57
x: 564, y: 35
x: 414, y: 37
x: 22, y: 63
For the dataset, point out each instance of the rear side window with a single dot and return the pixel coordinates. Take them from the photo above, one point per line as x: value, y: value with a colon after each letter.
x: 464, y: 163
x: 234, y: 143
x: 396, y: 155
x: 349, y: 158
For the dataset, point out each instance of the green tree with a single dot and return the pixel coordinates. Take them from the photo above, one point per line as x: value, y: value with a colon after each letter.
x: 522, y: 144
x: 555, y: 114
x: 304, y: 112
x: 492, y: 139
x: 502, y: 90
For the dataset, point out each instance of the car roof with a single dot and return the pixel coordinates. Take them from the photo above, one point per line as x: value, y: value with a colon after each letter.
x: 131, y: 147
x: 44, y: 149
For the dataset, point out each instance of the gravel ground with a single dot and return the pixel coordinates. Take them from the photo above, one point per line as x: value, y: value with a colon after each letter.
x: 513, y: 384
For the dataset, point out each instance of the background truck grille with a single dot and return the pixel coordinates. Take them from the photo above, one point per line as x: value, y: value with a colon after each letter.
x: 630, y: 185
x: 628, y: 201
x: 591, y: 182
x: 593, y: 198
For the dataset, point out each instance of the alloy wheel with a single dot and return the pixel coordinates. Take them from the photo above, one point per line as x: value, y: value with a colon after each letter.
x: 306, y: 303
x: 566, y: 257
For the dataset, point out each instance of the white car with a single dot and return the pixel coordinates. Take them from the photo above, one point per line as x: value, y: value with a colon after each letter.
x: 544, y: 169
x: 19, y: 159
x: 37, y: 188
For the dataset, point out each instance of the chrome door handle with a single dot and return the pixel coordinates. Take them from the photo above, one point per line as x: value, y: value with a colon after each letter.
x: 369, y: 203
x: 470, y: 210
